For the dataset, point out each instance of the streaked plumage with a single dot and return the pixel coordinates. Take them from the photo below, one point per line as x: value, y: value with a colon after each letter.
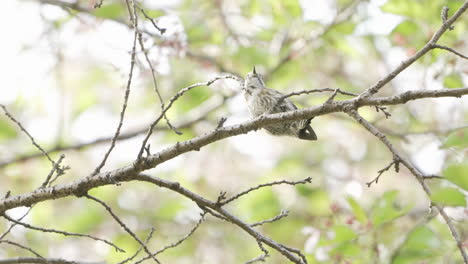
x: 261, y: 99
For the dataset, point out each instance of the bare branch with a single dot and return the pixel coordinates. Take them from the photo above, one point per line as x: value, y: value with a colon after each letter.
x: 140, y: 249
x: 319, y: 91
x: 214, y: 205
x: 23, y: 247
x: 330, y: 99
x: 274, y: 219
x: 134, y: 19
x: 261, y: 258
x: 130, y: 172
x: 161, y: 30
x: 23, y: 260
x: 395, y: 162
x: 426, y: 48
x: 444, y: 16
x: 122, y: 224
x: 14, y: 224
x: 125, y: 173
x: 57, y: 168
x: 178, y: 242
x: 171, y: 102
x: 33, y: 141
x: 419, y: 175
x: 429, y: 177
x: 237, y: 196
x: 49, y: 230
x: 153, y: 72
x: 195, y: 115
x: 437, y: 46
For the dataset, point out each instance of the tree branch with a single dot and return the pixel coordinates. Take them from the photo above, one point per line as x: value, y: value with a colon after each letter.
x: 123, y: 225
x: 134, y: 19
x: 191, y: 117
x: 24, y: 260
x: 125, y: 173
x: 426, y: 48
x: 49, y: 230
x: 419, y: 175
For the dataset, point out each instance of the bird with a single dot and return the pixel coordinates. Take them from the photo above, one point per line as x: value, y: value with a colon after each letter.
x: 262, y: 100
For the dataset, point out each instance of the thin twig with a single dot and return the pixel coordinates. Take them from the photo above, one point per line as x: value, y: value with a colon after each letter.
x: 332, y: 97
x: 171, y: 102
x: 134, y: 19
x: 33, y: 141
x: 155, y: 83
x: 195, y: 115
x: 161, y: 30
x: 31, y: 260
x: 49, y: 230
x: 319, y: 91
x: 444, y: 16
x: 261, y: 258
x: 123, y: 225
x: 178, y: 242
x: 23, y: 247
x: 14, y: 224
x: 139, y: 250
x: 274, y: 219
x: 419, y: 175
x: 383, y: 110
x: 395, y: 162
x: 426, y: 48
x: 437, y: 46
x: 54, y: 169
x: 306, y: 180
x: 429, y: 177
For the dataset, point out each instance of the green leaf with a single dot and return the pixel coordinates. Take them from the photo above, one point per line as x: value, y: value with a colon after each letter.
x: 358, y: 211
x: 449, y: 196
x: 112, y: 11
x: 458, y: 174
x: 385, y: 210
x: 457, y: 138
x: 453, y: 80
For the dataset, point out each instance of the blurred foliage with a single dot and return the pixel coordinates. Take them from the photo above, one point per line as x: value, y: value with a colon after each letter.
x: 335, y: 219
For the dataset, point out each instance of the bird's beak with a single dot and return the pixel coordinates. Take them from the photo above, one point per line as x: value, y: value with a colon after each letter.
x: 254, y: 72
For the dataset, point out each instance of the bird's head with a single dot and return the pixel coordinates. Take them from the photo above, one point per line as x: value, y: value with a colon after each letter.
x: 253, y: 82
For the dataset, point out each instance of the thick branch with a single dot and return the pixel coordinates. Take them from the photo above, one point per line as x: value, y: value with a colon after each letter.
x: 125, y: 173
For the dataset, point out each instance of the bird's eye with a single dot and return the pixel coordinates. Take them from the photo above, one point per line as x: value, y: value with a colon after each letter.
x: 252, y: 87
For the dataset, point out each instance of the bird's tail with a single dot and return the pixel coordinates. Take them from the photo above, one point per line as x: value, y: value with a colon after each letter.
x: 307, y: 133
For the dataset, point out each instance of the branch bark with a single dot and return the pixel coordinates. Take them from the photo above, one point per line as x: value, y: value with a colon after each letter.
x: 81, y: 186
